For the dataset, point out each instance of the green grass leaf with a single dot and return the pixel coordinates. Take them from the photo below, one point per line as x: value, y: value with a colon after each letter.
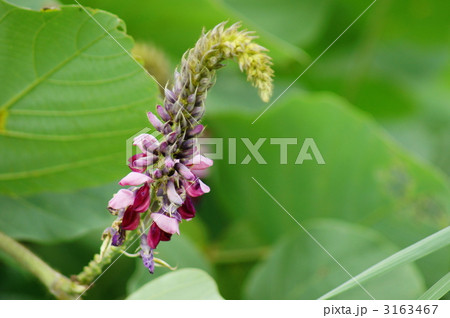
x: 438, y: 290
x: 416, y: 251
x: 299, y: 269
x: 71, y: 99
x: 182, y: 284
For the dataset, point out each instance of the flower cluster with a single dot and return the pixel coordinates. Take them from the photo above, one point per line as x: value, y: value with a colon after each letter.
x: 164, y: 176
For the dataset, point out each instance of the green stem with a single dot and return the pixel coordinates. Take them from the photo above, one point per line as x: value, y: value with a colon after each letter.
x: 96, y: 265
x: 58, y: 284
x: 108, y: 254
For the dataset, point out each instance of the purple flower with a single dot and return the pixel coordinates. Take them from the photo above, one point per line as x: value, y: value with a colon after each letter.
x: 147, y: 254
x: 187, y: 210
x: 155, y: 235
x: 166, y: 223
x: 141, y: 202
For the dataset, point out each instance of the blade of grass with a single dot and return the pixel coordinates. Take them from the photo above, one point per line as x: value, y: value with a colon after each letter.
x: 438, y: 290
x: 409, y: 254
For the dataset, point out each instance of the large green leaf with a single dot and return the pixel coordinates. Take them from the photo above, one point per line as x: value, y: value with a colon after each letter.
x: 34, y: 4
x: 299, y: 269
x: 366, y: 177
x: 180, y: 252
x: 182, y: 284
x: 71, y: 99
x: 50, y: 217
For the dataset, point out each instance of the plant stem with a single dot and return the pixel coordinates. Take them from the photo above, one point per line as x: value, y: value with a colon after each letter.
x: 100, y: 260
x: 58, y: 284
x: 96, y: 265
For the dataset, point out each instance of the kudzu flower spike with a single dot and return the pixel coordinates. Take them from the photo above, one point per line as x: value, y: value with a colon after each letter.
x: 164, y: 176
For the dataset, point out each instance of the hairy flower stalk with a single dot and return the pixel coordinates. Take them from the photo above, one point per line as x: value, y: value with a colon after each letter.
x: 164, y: 176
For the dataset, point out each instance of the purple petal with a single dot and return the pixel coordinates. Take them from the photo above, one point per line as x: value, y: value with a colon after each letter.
x: 144, y: 162
x: 121, y: 200
x: 184, y: 171
x: 147, y: 254
x: 135, y: 179
x: 167, y: 129
x: 163, y: 113
x: 172, y: 193
x: 169, y: 162
x: 157, y: 174
x: 171, y: 97
x: 147, y: 260
x: 118, y: 237
x: 166, y: 223
x: 146, y: 142
x: 154, y: 121
x: 195, y: 131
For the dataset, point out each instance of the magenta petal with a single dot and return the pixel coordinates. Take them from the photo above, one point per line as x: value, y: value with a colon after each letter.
x: 135, y: 179
x: 142, y: 199
x: 130, y: 219
x: 165, y: 223
x: 197, y: 188
x: 132, y: 161
x: 121, y: 199
x: 187, y: 210
x: 154, y: 236
x: 172, y: 193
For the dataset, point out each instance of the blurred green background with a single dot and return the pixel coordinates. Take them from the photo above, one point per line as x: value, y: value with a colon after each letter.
x: 376, y: 104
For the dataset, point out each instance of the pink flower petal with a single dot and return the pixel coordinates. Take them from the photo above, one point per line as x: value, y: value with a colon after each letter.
x: 165, y: 223
x: 121, y: 199
x: 200, y: 162
x: 135, y: 179
x: 172, y: 193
